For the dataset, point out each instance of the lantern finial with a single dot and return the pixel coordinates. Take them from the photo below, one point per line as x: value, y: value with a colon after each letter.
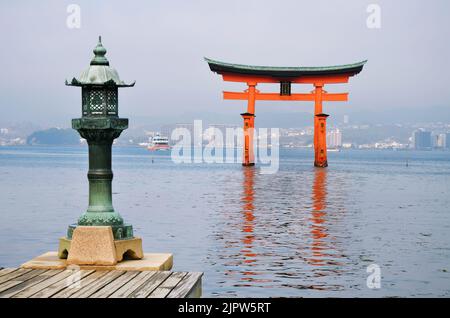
x: 99, y: 52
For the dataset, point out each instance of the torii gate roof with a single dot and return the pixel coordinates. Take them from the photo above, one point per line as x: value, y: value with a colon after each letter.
x: 284, y: 72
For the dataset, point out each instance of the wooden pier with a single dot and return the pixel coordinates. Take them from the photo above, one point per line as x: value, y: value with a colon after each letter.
x: 75, y: 283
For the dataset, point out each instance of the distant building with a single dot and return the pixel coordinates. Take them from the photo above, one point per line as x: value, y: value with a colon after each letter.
x: 440, y: 141
x: 447, y: 141
x: 346, y: 119
x: 434, y: 140
x: 421, y: 140
x: 334, y: 139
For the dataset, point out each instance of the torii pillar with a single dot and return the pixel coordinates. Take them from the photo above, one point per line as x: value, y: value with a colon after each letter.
x: 248, y: 156
x: 320, y: 140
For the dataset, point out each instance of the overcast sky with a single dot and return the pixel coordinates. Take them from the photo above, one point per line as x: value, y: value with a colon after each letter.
x: 161, y: 45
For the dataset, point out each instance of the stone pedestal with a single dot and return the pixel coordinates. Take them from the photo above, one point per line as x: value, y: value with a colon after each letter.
x: 95, y: 245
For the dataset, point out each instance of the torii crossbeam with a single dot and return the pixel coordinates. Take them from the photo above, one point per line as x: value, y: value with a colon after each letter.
x: 286, y: 76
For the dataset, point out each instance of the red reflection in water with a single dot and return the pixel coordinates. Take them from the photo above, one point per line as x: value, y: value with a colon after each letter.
x: 248, y: 210
x: 248, y: 229
x: 318, y: 217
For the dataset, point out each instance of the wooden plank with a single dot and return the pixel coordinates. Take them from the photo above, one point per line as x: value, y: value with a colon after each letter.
x: 8, y: 285
x: 90, y: 289
x: 186, y: 286
x: 22, y: 283
x: 75, y: 278
x: 31, y: 290
x: 85, y: 281
x: 19, y: 280
x: 14, y: 274
x: 166, y: 287
x: 114, y: 285
x: 5, y: 271
x: 132, y: 285
x: 150, y: 285
x: 30, y: 282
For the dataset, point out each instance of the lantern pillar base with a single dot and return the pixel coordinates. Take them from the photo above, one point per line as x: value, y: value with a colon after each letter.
x: 120, y: 232
x: 95, y: 245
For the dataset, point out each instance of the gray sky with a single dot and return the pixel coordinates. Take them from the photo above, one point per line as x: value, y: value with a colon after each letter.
x: 161, y: 45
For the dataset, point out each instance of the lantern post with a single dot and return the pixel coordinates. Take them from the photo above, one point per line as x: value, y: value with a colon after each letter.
x: 100, y: 124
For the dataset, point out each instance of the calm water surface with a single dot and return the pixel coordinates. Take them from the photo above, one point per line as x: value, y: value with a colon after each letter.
x: 301, y: 232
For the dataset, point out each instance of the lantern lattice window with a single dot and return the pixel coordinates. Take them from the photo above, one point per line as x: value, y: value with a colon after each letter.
x: 111, y: 102
x: 99, y: 101
x: 96, y: 102
x: 85, y: 101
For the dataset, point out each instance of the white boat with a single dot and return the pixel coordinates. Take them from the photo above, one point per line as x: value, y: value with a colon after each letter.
x: 159, y: 142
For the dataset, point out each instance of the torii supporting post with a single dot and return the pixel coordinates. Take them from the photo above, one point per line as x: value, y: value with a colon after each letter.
x: 320, y: 145
x: 318, y: 98
x: 248, y: 157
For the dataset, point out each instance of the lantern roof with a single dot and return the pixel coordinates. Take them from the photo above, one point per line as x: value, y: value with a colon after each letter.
x: 99, y: 72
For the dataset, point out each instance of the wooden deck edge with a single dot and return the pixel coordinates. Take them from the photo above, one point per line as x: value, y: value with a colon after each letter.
x: 196, y: 291
x: 40, y: 283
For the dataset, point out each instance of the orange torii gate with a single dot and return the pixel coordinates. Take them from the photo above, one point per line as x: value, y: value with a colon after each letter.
x: 285, y: 76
